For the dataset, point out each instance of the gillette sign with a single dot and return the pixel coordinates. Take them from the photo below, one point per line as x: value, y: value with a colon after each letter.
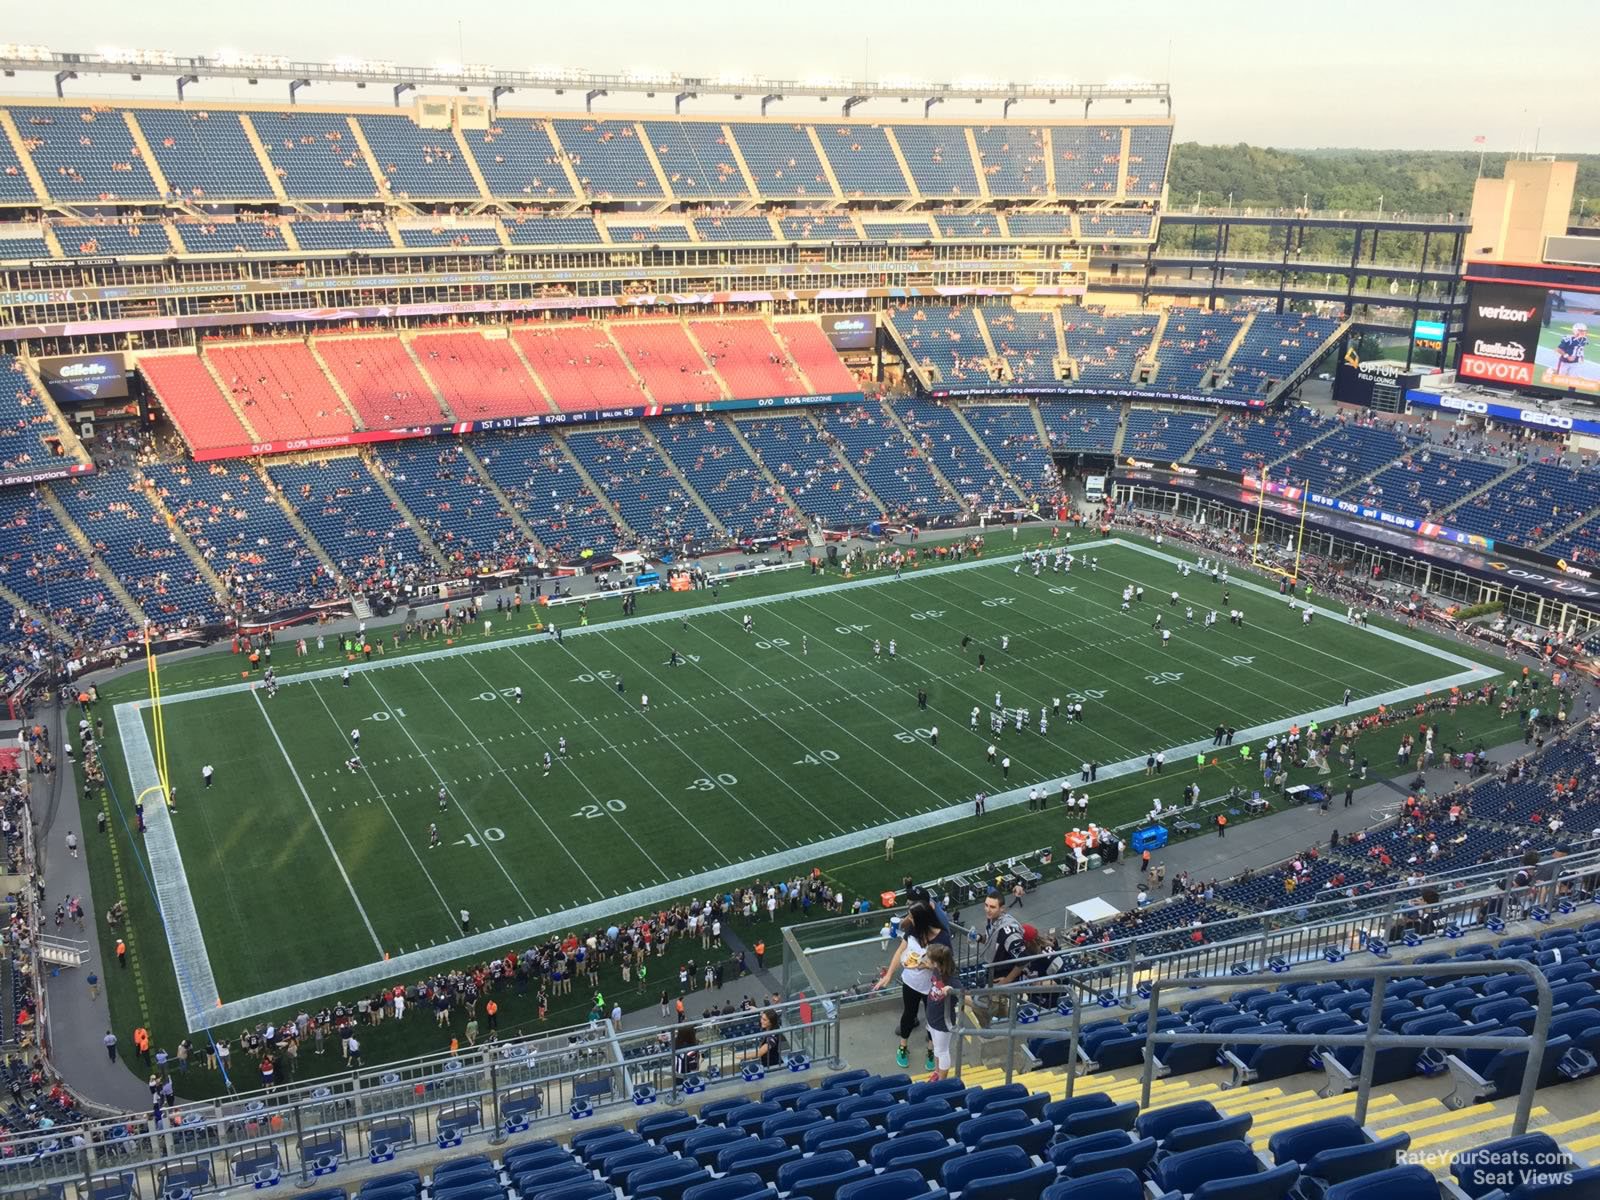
x: 84, y: 378
x: 1501, y: 336
x: 853, y: 331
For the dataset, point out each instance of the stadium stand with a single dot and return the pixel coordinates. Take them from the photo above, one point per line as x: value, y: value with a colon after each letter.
x: 1347, y: 455
x: 673, y: 369
x: 630, y: 471
x: 967, y: 225
x: 115, y: 511
x: 281, y: 389
x: 579, y: 364
x: 802, y: 461
x: 340, y: 233
x: 1247, y: 443
x: 608, y: 158
x: 1166, y: 436
x: 1192, y: 343
x: 1148, y: 147
x: 1425, y: 482
x: 315, y: 155
x: 351, y: 517
x: 236, y: 237
x: 1013, y: 159
x: 29, y: 435
x: 15, y: 186
x: 863, y: 161
x: 1009, y: 432
x: 734, y: 229
x: 904, y: 230
x: 947, y: 340
x: 1026, y: 340
x: 552, y: 231
x: 697, y: 159
x: 940, y: 163
x: 84, y: 154
x: 418, y: 163
x: 809, y: 349
x: 1116, y: 226
x: 243, y: 534
x: 444, y: 490
x: 204, y: 155
x: 1081, y: 428
x: 479, y: 377
x: 132, y: 239
x: 1088, y: 160
x: 192, y: 399
x: 14, y: 248
x: 1273, y: 348
x: 625, y: 234
x: 518, y: 160
x: 748, y: 358
x: 41, y: 563
x: 950, y: 448
x: 1530, y: 506
x: 448, y: 236
x: 1040, y: 224
x: 725, y: 476
x: 381, y: 382
x: 1106, y: 346
x: 819, y: 227
x: 782, y: 161
x: 548, y: 492
x: 895, y: 470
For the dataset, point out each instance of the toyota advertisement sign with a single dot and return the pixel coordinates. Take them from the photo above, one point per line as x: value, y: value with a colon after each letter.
x: 1500, y: 341
x: 76, y: 379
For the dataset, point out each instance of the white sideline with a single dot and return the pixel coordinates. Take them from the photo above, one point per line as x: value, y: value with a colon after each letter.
x: 197, y: 986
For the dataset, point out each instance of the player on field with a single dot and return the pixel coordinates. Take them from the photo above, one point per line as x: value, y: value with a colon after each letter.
x: 891, y: 648
x: 345, y: 677
x: 561, y: 746
x: 517, y: 695
x: 1044, y: 722
x: 353, y: 763
x: 1166, y: 636
x: 355, y: 739
x: 749, y: 623
x: 974, y: 722
x: 644, y: 704
x: 547, y: 762
x: 877, y: 648
x: 433, y: 836
x: 444, y: 798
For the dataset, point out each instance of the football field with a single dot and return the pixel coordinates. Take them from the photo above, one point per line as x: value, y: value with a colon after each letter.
x: 760, y: 754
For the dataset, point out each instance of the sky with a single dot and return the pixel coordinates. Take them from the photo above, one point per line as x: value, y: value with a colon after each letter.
x: 1369, y: 73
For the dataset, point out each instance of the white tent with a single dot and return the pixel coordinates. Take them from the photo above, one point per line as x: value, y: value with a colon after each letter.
x: 1093, y: 909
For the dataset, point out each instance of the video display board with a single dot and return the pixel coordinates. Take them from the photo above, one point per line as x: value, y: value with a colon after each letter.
x: 1520, y: 335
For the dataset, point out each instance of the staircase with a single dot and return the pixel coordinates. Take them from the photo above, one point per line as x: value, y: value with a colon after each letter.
x: 1122, y: 433
x: 832, y: 443
x: 338, y: 388
x: 1226, y: 360
x: 777, y: 485
x: 532, y: 374
x: 1333, y: 428
x: 227, y: 394
x: 595, y: 489
x: 86, y: 548
x: 275, y: 493
x: 1493, y: 483
x: 722, y: 384
x: 181, y: 539
x: 827, y: 167
x: 988, y: 455
x: 438, y: 396
x: 683, y: 480
x: 64, y: 428
x: 1151, y: 356
x: 510, y: 509
x: 267, y: 169
x: 655, y: 163
x: 59, y: 634
x: 380, y: 181
x: 471, y: 163
x: 58, y: 951
x: 977, y: 162
x: 565, y: 159
x: 424, y: 537
x: 928, y: 459
x: 9, y: 127
x: 1566, y: 529
x: 146, y: 155
x: 905, y: 167
x: 738, y: 161
x: 924, y: 375
x: 1216, y: 424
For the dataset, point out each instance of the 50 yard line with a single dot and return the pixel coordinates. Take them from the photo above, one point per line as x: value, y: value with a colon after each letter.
x: 337, y: 861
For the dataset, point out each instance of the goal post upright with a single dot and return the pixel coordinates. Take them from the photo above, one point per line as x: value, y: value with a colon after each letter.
x: 157, y: 719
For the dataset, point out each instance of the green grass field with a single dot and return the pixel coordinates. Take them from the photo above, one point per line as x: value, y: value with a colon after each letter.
x: 761, y: 754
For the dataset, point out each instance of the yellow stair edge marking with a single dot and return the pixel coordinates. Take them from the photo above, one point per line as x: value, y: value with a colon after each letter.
x: 1299, y: 1114
x: 1450, y: 1117
x: 1587, y: 1144
x: 1293, y: 1102
x: 1502, y: 1121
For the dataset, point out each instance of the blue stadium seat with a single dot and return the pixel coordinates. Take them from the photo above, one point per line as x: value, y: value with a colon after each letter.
x: 1408, y: 1182
x: 1112, y: 1185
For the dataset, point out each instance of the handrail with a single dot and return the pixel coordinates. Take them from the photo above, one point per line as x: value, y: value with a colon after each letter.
x: 1375, y: 1037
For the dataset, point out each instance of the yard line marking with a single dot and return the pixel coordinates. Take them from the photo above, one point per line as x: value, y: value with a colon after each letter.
x: 449, y: 912
x: 321, y: 828
x: 423, y: 675
x: 582, y: 782
x: 738, y: 745
x: 197, y: 985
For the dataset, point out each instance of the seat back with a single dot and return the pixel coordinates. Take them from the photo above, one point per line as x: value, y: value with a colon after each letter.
x: 1187, y: 1171
x: 1350, y: 1162
x: 1304, y: 1142
x: 1407, y: 1182
x: 1108, y: 1185
x: 1264, y: 1185
x: 1159, y: 1122
x: 1206, y: 1133
x: 1004, y: 1160
x: 1027, y: 1184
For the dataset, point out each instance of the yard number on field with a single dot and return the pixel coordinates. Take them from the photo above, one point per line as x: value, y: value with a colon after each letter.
x: 915, y: 735
x: 931, y: 614
x: 591, y: 812
x: 817, y: 758
x: 382, y: 715
x: 502, y: 694
x: 705, y: 784
x: 998, y: 601
x: 491, y: 833
x: 1164, y: 677
x: 847, y: 630
x: 1240, y: 660
x: 772, y: 644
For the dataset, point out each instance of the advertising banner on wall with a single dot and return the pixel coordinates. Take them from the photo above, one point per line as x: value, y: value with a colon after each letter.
x: 73, y: 379
x: 851, y: 331
x: 1500, y: 339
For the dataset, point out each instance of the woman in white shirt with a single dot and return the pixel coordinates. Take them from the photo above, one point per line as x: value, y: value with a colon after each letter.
x: 918, y: 930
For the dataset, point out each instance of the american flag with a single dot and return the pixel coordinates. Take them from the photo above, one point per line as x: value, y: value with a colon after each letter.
x: 1479, y: 140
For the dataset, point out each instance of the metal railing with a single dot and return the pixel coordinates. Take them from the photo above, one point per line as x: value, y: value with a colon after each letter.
x: 372, y: 1116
